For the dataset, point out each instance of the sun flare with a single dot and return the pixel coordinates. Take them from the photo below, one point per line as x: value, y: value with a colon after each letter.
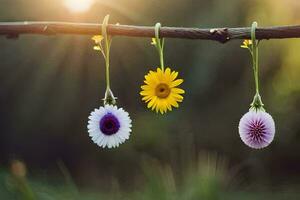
x: 78, y: 6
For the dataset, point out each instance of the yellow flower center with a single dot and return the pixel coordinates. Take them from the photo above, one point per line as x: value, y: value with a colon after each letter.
x: 162, y: 90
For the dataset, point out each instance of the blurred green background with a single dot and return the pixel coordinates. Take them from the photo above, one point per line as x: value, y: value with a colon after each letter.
x: 49, y: 85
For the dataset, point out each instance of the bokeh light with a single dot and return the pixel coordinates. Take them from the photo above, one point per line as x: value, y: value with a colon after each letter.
x: 78, y: 6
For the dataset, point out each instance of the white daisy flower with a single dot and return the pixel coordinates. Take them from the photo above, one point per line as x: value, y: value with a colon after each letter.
x: 109, y: 126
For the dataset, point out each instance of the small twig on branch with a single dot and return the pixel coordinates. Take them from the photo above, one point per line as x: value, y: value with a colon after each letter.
x: 14, y: 29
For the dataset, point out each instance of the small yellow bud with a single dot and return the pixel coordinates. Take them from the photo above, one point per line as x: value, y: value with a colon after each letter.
x: 97, y: 48
x: 97, y: 38
x: 153, y: 42
x: 246, y: 44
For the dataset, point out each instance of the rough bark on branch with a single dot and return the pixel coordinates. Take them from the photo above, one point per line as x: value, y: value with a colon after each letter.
x: 14, y: 29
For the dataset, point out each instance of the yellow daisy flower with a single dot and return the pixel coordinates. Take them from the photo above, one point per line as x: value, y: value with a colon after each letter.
x: 246, y: 44
x: 160, y: 91
x: 97, y: 38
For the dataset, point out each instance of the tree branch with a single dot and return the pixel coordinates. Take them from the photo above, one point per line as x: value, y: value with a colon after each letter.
x: 14, y: 29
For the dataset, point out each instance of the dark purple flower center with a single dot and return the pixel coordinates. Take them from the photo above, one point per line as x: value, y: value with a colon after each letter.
x: 109, y: 124
x: 257, y: 130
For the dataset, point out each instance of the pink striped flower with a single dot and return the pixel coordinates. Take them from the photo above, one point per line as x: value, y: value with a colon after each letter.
x: 257, y: 129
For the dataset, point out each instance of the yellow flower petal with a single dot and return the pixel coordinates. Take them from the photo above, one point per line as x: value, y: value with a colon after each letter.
x: 146, y: 93
x: 146, y: 98
x: 176, y: 83
x: 150, y: 104
x: 168, y: 72
x: 174, y: 75
x: 146, y: 87
x: 174, y: 103
x: 97, y: 38
x: 177, y: 96
x: 178, y: 90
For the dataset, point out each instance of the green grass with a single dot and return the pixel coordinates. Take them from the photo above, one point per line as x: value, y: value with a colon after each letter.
x: 207, y: 178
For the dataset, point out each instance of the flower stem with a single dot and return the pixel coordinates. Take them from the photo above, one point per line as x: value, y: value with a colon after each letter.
x: 159, y: 45
x: 107, y: 42
x: 109, y: 97
x: 161, y: 58
x: 257, y: 102
x: 255, y: 56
